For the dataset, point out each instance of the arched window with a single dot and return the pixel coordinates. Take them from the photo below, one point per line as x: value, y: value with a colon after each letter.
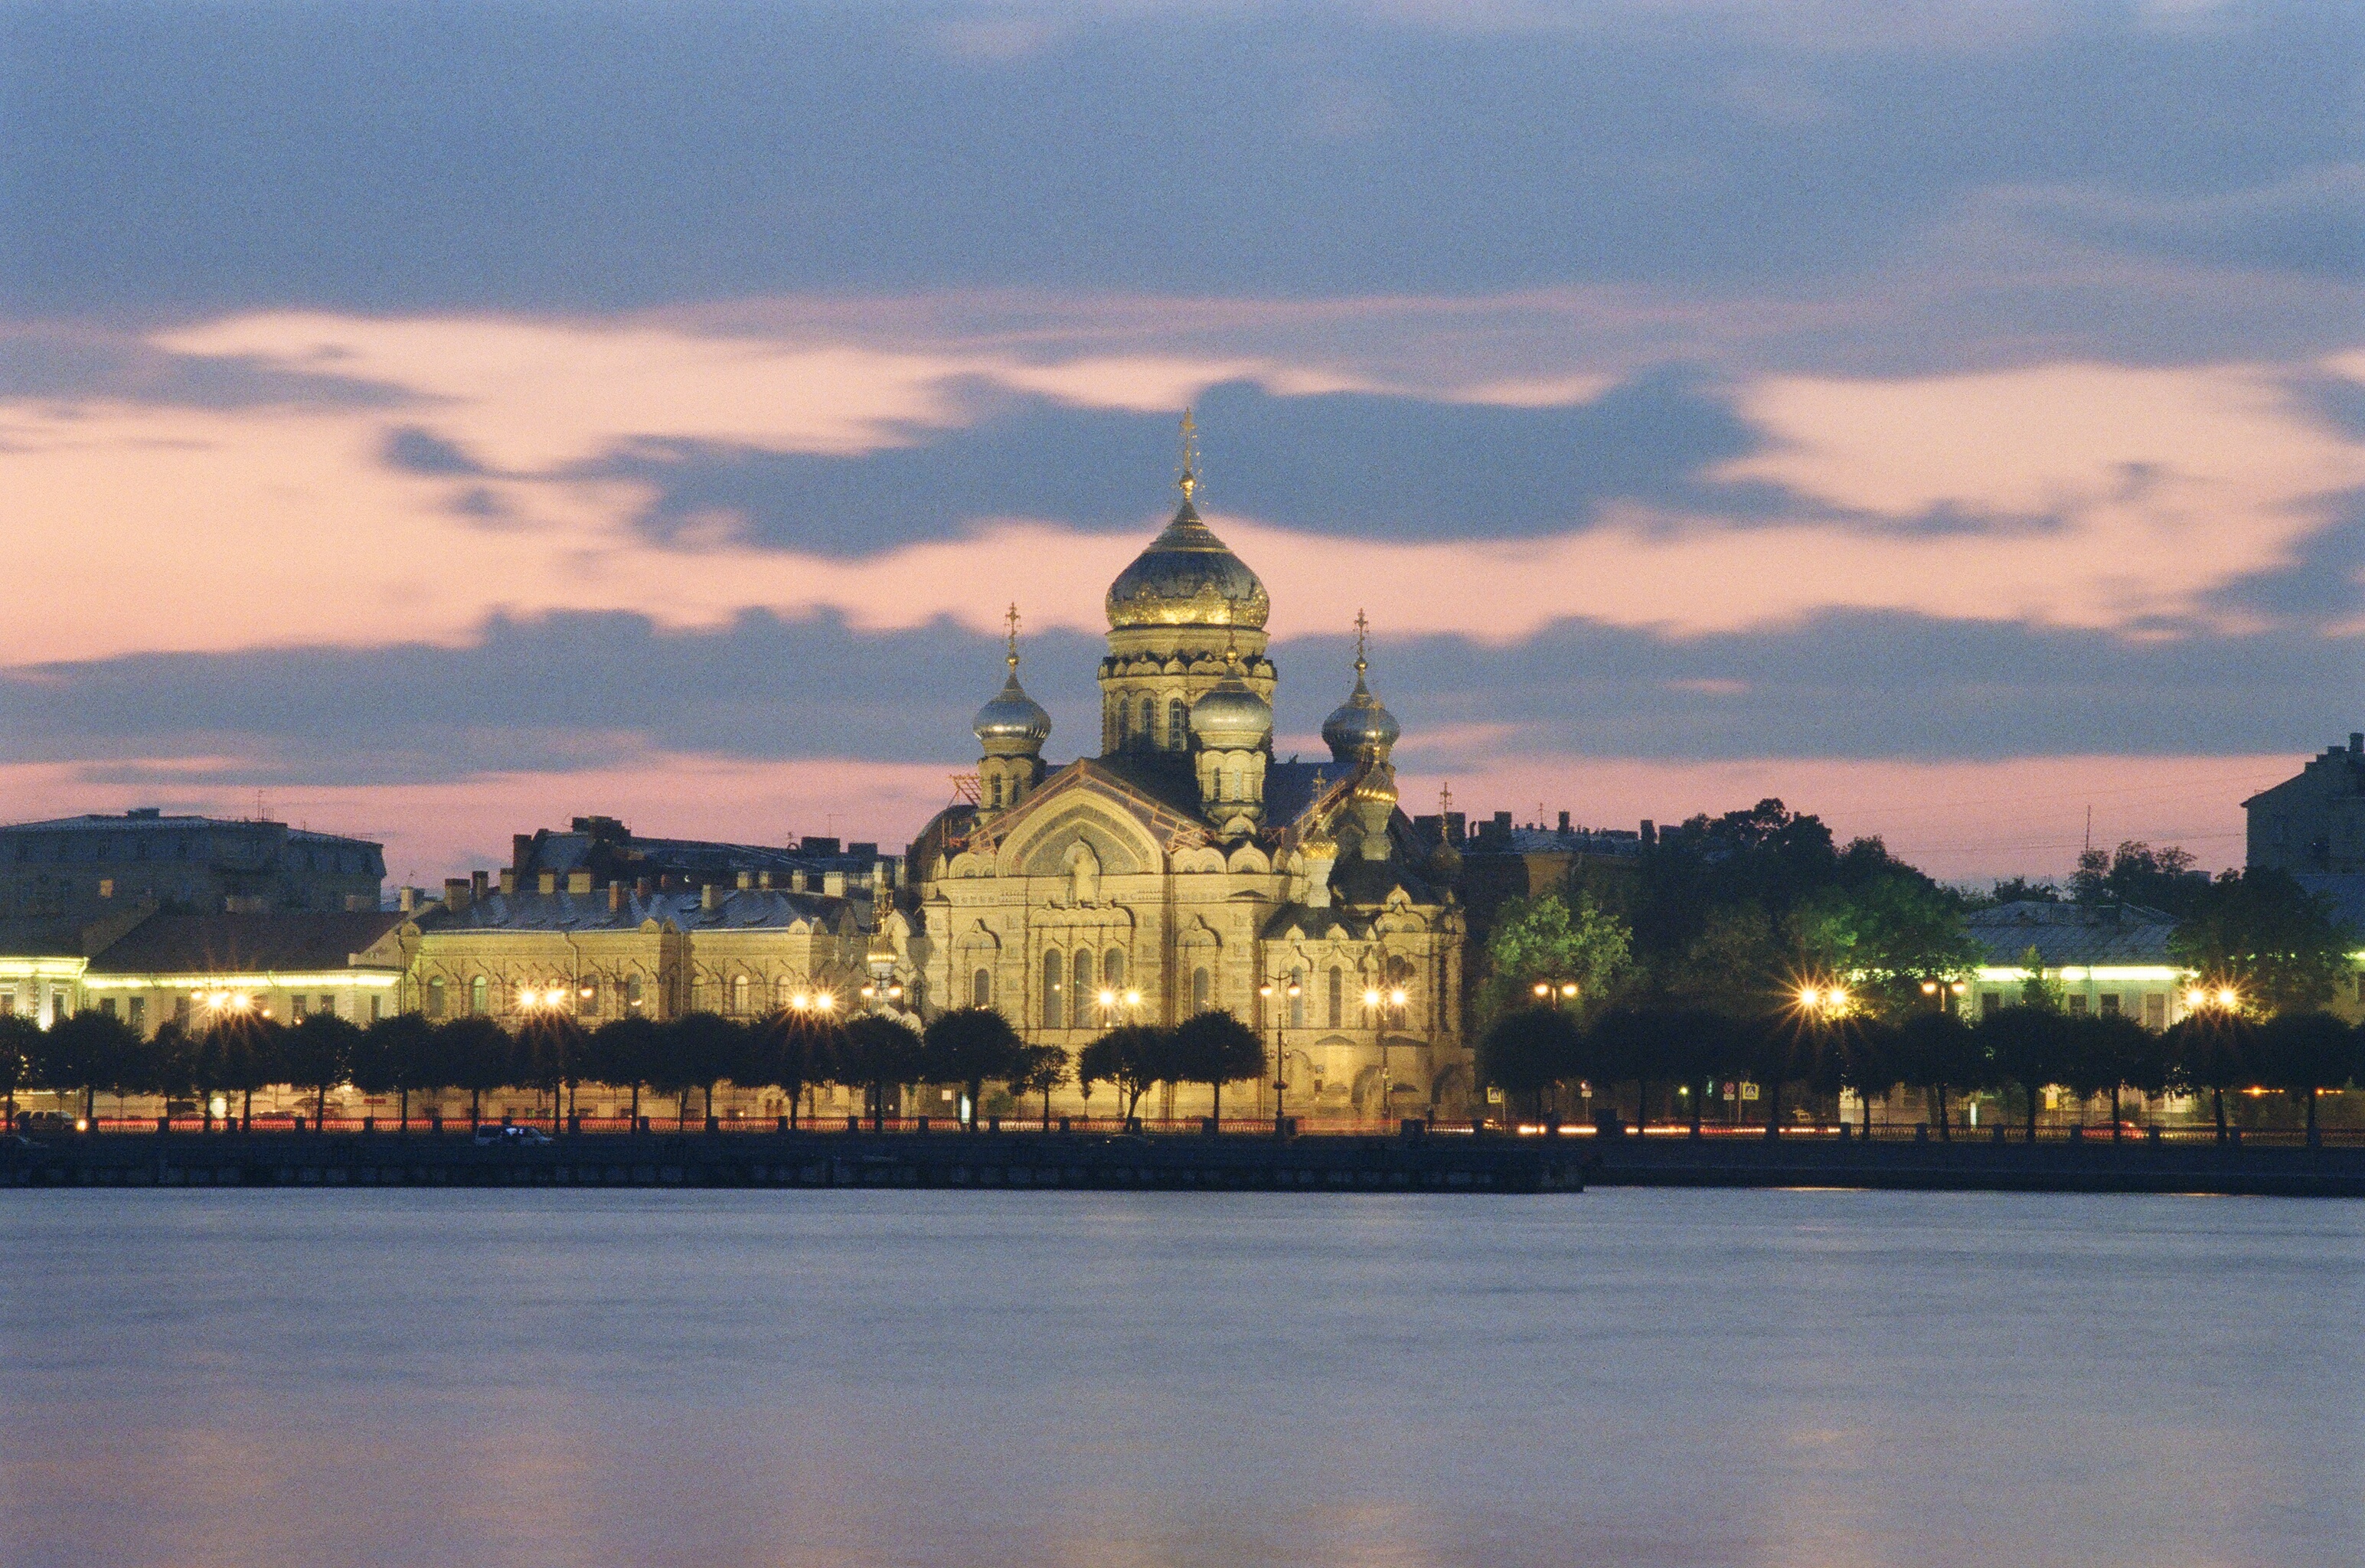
x: 632, y: 990
x: 1113, y: 970
x: 739, y: 994
x: 1202, y: 990
x: 479, y: 995
x: 1083, y: 991
x: 1123, y: 711
x: 1338, y: 997
x: 1055, y: 972
x: 1297, y: 999
x: 781, y: 991
x: 1149, y: 723
x: 981, y: 988
x: 1178, y: 725
x: 587, y: 991
x: 435, y: 997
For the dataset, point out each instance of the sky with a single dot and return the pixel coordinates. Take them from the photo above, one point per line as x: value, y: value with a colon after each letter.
x: 437, y: 421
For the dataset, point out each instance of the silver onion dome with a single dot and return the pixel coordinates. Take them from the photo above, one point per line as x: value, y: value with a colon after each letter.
x: 1012, y: 722
x: 1231, y: 717
x: 1360, y: 729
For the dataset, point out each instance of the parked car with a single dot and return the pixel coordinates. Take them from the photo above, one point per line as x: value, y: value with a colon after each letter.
x: 510, y: 1135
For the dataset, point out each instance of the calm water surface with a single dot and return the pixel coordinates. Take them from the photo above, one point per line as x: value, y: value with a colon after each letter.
x: 856, y: 1378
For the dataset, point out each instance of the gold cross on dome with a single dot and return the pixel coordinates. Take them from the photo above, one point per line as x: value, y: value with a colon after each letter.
x: 1189, y: 482
x: 1362, y: 630
x: 1010, y: 621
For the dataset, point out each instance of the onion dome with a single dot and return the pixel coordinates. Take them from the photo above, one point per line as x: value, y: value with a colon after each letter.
x: 1358, y: 729
x: 1444, y: 861
x: 1187, y: 576
x: 1231, y: 717
x: 1012, y: 722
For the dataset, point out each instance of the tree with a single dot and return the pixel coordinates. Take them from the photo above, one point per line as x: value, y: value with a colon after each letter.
x: 2304, y: 1054
x: 1935, y: 1052
x: 2216, y: 1051
x: 2024, y: 1046
x: 20, y: 1038
x: 1038, y: 1070
x: 398, y: 1057
x: 1775, y: 1047
x: 968, y: 1046
x: 2101, y: 1054
x: 2136, y: 873
x: 170, y: 1065
x: 1554, y: 940
x: 625, y: 1050
x: 242, y: 1051
x: 2280, y: 947
x: 550, y: 1045
x: 1686, y: 1045
x: 2039, y: 988
x: 706, y: 1048
x: 1215, y: 1048
x: 318, y: 1054
x: 881, y: 1052
x: 1885, y: 932
x: 478, y: 1055
x: 1862, y: 1056
x: 1530, y: 1050
x: 1132, y: 1057
x: 797, y: 1049
x: 89, y: 1051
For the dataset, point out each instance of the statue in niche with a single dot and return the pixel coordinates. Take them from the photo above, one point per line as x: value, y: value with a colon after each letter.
x: 1083, y: 873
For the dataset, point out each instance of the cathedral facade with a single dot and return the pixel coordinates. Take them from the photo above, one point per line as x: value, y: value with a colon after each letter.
x: 1183, y: 868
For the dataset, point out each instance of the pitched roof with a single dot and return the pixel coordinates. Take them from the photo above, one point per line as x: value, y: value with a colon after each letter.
x: 750, y: 909
x: 2077, y: 934
x: 242, y: 944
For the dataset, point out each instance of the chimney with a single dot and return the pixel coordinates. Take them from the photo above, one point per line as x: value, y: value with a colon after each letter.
x: 615, y: 897
x: 2357, y: 740
x: 747, y: 880
x: 764, y: 880
x: 508, y: 880
x: 833, y: 884
x: 710, y: 896
x: 1650, y: 831
x: 520, y: 851
x: 579, y: 881
x: 407, y: 900
x: 796, y: 881
x: 1564, y: 823
x: 475, y: 887
x: 455, y: 893
x: 548, y: 882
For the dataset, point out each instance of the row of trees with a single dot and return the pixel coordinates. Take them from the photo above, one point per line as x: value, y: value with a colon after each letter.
x: 1534, y: 1053
x: 239, y: 1054
x: 1723, y: 914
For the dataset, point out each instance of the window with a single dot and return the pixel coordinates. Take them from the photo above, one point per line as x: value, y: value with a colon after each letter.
x: 980, y: 988
x: 1149, y: 723
x: 376, y: 1008
x: 435, y: 997
x: 106, y: 1006
x: 1338, y: 997
x: 2110, y: 999
x: 1053, y: 972
x: 1083, y: 991
x: 1989, y: 1002
x: 180, y: 1008
x: 589, y: 992
x: 480, y: 993
x: 137, y: 1007
x: 739, y: 993
x: 1297, y: 999
x: 1123, y: 714
x: 2156, y: 1011
x: 1113, y: 970
x: 297, y: 1006
x: 632, y: 990
x: 1178, y: 727
x: 1202, y: 990
x: 2078, y: 1005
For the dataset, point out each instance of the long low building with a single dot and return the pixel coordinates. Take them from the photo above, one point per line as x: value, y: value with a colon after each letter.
x: 2108, y: 958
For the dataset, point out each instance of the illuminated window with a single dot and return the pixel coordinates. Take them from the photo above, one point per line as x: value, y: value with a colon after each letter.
x: 137, y: 1007
x: 739, y: 993
x: 298, y: 1005
x: 435, y: 997
x: 981, y: 988
x: 1338, y: 997
x: 1178, y: 727
x: 632, y: 990
x: 1202, y: 990
x: 376, y: 1008
x: 1055, y: 972
x: 480, y: 994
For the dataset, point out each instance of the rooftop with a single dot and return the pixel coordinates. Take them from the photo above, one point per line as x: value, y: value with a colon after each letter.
x: 2068, y: 934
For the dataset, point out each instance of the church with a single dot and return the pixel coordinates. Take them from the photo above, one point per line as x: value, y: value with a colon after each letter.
x: 1180, y: 867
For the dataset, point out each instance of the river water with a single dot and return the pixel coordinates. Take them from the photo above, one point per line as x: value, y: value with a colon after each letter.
x: 854, y: 1378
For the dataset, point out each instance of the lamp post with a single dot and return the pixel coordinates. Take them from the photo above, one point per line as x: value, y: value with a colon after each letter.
x: 1265, y: 994
x: 1555, y: 992
x: 1940, y: 990
x: 1383, y: 1008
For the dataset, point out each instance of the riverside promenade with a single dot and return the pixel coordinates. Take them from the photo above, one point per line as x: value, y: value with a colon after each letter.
x: 1167, y: 1162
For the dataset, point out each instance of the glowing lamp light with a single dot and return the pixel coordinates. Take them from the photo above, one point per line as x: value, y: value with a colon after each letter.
x: 1371, y: 999
x: 801, y: 1001
x: 1108, y: 998
x: 894, y: 990
x: 1293, y: 989
x: 1838, y: 998
x: 1396, y: 997
x: 1808, y: 996
x: 1543, y: 989
x: 2195, y: 996
x: 2225, y: 997
x: 1568, y: 988
x: 1133, y: 999
x: 1264, y: 991
x: 825, y: 1001
x: 1929, y: 988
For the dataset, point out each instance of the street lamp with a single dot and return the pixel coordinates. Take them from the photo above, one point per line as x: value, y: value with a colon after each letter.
x: 1553, y: 991
x: 1941, y: 991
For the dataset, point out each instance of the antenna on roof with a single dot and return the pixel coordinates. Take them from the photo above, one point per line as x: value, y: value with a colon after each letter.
x: 2089, y: 830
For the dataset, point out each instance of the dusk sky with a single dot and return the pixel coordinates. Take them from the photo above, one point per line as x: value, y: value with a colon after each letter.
x: 448, y: 419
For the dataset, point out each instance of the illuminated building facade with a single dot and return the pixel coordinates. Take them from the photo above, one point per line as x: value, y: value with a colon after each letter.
x: 2108, y: 958
x: 1183, y: 868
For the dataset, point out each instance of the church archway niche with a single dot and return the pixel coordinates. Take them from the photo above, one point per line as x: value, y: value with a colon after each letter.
x: 1120, y: 846
x: 980, y: 987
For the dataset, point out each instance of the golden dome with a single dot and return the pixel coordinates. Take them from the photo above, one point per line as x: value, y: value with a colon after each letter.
x: 1187, y: 578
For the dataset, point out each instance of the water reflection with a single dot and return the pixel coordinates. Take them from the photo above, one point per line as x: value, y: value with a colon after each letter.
x: 858, y: 1378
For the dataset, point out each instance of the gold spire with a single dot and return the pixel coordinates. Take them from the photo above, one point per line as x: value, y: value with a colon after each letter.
x: 1011, y: 619
x: 1189, y: 481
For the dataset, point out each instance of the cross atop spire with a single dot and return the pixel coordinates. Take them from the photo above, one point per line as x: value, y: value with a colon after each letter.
x: 1188, y: 483
x: 1010, y: 621
x: 1363, y: 628
x: 1444, y: 799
